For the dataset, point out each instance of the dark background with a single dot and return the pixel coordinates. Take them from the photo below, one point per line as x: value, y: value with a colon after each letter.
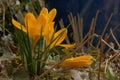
x: 87, y: 10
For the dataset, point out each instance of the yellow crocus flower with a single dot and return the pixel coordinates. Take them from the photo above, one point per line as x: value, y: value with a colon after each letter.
x: 57, y: 38
x: 51, y: 38
x: 33, y: 26
x: 49, y: 26
x: 81, y: 61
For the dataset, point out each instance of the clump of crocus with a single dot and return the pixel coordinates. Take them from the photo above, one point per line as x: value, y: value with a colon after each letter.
x: 35, y: 27
x: 40, y: 30
x: 53, y: 38
x: 42, y: 25
x: 76, y: 62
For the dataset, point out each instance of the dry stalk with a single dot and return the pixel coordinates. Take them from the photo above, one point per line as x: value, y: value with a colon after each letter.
x: 116, y: 41
x: 116, y: 27
x: 74, y: 28
x: 117, y: 53
x: 80, y: 27
x: 80, y: 30
x: 102, y: 47
x: 111, y: 35
x: 106, y: 25
x: 101, y: 55
x: 94, y: 25
x: 102, y: 40
x: 90, y: 31
x: 104, y: 30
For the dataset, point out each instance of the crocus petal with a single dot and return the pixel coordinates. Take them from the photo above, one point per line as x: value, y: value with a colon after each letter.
x: 33, y: 27
x: 81, y: 61
x: 30, y: 21
x: 18, y: 25
x: 41, y: 20
x: 52, y: 15
x: 67, y: 45
x: 43, y: 11
x: 60, y: 36
x: 76, y: 64
x: 48, y: 32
